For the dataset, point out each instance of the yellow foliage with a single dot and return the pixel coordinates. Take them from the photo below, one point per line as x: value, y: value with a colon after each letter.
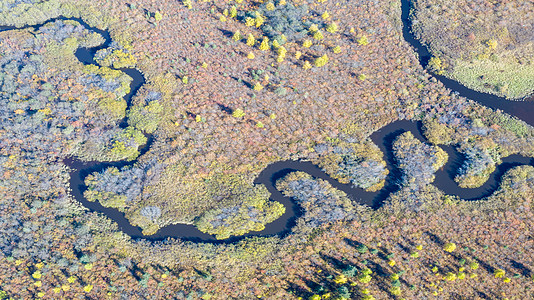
x: 318, y: 35
x: 251, y: 40
x: 492, y: 44
x: 449, y: 247
x: 450, y: 276
x: 258, y: 86
x: 340, y: 279
x: 363, y: 40
x: 37, y: 274
x: 259, y: 20
x: 337, y: 50
x: 237, y: 36
x: 499, y: 273
x: 249, y: 22
x: 233, y: 12
x: 332, y: 27
x: 321, y: 61
x: 264, y: 46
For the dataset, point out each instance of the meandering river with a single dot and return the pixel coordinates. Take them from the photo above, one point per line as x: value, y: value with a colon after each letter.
x: 384, y: 137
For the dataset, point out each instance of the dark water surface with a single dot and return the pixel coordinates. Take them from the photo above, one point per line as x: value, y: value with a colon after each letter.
x: 383, y: 138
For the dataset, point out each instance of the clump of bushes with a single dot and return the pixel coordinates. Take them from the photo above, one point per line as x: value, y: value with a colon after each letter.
x: 117, y: 56
x: 284, y: 20
x: 113, y: 187
x: 419, y: 161
x: 478, y: 165
x: 367, y: 174
x: 321, y: 202
x: 239, y: 219
x: 147, y: 117
x: 358, y: 163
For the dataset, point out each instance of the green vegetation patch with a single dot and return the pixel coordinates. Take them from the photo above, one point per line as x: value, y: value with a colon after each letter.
x: 485, y: 45
x: 503, y: 77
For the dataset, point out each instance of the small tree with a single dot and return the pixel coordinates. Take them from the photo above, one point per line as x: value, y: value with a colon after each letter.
x: 499, y: 273
x: 395, y: 290
x: 237, y: 36
x: 281, y: 51
x: 362, y: 41
x: 435, y: 64
x: 450, y: 276
x: 340, y: 279
x: 332, y: 27
x: 259, y: 20
x: 318, y: 35
x: 364, y: 278
x: 321, y: 61
x: 264, y: 46
x: 336, y: 49
x: 251, y: 41
x: 450, y: 247
x: 249, y: 22
x: 188, y: 4
x: 238, y: 113
x: 233, y: 12
x: 269, y: 6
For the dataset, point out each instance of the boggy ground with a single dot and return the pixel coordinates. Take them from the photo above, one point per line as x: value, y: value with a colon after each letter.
x: 211, y: 125
x: 486, y: 45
